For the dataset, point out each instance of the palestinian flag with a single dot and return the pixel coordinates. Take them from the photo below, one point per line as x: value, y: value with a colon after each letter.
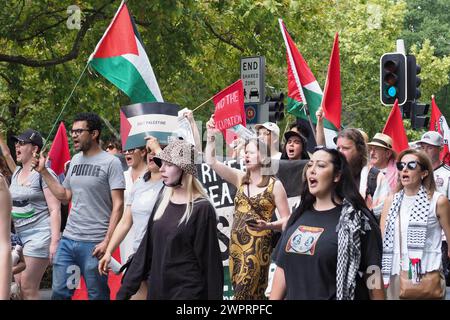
x: 120, y: 57
x: 303, y: 86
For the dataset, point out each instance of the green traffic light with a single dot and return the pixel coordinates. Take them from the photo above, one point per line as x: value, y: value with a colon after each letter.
x: 392, y: 92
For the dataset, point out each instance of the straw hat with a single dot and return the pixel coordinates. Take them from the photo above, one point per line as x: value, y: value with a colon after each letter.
x: 381, y: 140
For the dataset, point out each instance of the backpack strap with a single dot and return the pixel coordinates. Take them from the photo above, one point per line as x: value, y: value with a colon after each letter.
x: 372, y: 181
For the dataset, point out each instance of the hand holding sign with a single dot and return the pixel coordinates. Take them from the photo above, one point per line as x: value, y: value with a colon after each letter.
x: 211, y: 127
x: 152, y: 144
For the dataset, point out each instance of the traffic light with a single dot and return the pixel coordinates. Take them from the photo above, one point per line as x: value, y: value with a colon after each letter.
x: 419, y: 118
x: 393, y: 71
x: 276, y: 107
x: 413, y: 80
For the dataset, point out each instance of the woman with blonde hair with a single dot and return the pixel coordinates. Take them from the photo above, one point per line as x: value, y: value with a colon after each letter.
x: 413, y: 219
x: 179, y: 255
x: 259, y: 194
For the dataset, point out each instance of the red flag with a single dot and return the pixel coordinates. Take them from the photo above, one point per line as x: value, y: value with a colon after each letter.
x: 439, y: 124
x: 394, y: 128
x: 332, y: 102
x: 230, y: 110
x: 59, y: 152
x: 230, y: 106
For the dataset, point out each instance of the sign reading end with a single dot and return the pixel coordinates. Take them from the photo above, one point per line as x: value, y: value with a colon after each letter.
x: 252, y: 75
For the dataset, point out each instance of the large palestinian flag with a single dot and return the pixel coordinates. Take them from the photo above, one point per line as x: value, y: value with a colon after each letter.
x: 303, y: 87
x: 120, y: 57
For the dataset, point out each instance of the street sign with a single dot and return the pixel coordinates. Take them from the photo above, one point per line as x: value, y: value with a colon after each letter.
x: 251, y: 113
x: 252, y: 75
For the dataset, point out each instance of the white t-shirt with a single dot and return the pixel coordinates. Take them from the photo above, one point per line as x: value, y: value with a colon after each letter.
x: 142, y: 200
x: 442, y: 178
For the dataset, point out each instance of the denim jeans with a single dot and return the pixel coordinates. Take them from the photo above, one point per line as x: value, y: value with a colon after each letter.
x: 74, y: 258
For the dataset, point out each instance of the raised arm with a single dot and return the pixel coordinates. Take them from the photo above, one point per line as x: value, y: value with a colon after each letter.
x: 62, y: 194
x: 195, y: 132
x: 320, y: 131
x: 227, y: 173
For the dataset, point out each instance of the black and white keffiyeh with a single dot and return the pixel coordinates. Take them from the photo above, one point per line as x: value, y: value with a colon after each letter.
x: 352, y: 224
x: 416, y: 233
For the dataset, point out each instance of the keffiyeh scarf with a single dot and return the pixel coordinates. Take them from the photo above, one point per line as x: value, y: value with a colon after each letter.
x: 416, y: 234
x: 351, y: 225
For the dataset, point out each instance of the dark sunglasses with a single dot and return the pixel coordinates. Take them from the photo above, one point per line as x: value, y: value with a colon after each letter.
x: 412, y: 165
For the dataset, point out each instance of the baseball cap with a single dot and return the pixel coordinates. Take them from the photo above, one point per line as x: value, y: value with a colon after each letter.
x: 30, y: 136
x: 272, y: 127
x: 432, y: 137
x: 289, y: 134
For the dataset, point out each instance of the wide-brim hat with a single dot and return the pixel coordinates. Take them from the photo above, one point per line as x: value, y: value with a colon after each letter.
x: 180, y: 153
x: 30, y: 136
x: 381, y: 140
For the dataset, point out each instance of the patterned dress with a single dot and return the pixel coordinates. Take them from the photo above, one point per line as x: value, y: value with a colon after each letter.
x: 250, y: 251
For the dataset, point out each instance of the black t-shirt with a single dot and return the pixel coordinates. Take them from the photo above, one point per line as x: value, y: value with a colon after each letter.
x: 186, y: 258
x: 308, y: 251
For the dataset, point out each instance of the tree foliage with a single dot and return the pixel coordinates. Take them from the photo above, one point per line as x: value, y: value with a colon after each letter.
x: 195, y: 47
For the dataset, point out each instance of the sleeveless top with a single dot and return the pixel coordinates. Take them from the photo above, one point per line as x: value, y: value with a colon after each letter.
x: 250, y: 250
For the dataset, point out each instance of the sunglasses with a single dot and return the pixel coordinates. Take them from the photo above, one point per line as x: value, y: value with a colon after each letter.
x: 412, y: 165
x: 133, y: 150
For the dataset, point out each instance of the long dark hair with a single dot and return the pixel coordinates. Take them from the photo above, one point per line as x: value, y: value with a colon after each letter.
x: 345, y: 188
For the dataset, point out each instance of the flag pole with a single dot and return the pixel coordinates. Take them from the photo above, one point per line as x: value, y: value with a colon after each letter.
x: 64, y: 107
x: 201, y: 105
x: 308, y: 114
x: 297, y: 79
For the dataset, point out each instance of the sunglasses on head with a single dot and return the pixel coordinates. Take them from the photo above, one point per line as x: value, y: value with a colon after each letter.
x: 412, y: 165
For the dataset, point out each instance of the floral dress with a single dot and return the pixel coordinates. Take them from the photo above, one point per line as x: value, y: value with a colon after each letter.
x: 250, y: 251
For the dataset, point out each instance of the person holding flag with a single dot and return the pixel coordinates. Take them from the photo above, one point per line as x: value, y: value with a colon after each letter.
x: 259, y: 194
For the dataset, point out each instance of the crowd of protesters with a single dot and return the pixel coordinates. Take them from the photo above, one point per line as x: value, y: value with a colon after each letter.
x: 366, y: 216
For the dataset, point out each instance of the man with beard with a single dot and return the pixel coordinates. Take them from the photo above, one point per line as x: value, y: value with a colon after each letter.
x: 94, y: 184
